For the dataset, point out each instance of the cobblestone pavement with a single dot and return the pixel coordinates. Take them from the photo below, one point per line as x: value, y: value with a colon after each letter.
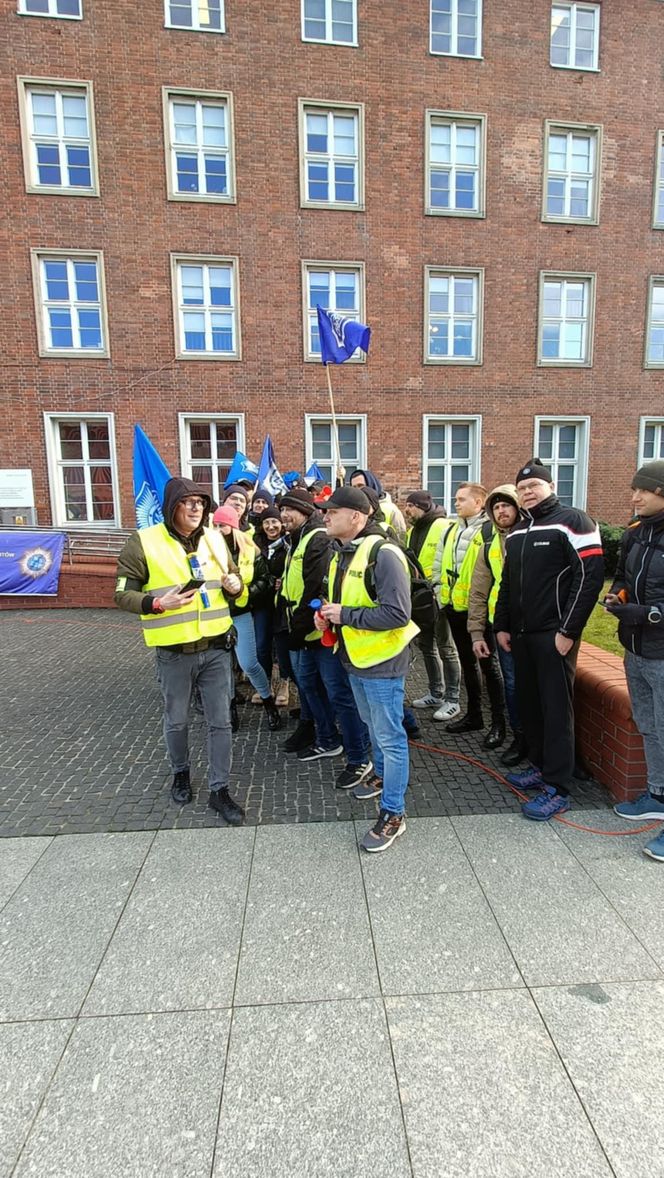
x: 81, y: 748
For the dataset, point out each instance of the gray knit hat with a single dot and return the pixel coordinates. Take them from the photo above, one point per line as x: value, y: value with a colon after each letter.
x: 650, y: 477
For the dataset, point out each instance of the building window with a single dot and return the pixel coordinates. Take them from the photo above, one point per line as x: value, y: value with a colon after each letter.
x: 566, y: 319
x: 331, y: 153
x: 655, y: 328
x: 199, y: 146
x: 575, y: 36
x: 69, y: 290
x: 562, y: 444
x: 455, y: 164
x: 331, y: 21
x: 65, y: 9
x: 573, y: 156
x: 57, y: 125
x: 204, y: 16
x: 208, y: 446
x: 335, y: 286
x: 658, y: 210
x: 451, y: 456
x: 456, y: 27
x: 651, y: 440
x: 207, y: 320
x: 453, y: 316
x: 82, y: 469
x: 320, y: 444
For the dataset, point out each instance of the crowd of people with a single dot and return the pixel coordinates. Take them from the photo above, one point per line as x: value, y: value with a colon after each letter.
x: 328, y: 592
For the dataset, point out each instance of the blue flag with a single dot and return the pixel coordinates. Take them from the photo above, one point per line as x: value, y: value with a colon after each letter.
x: 268, y: 475
x: 242, y: 468
x: 150, y: 478
x: 340, y: 336
x: 314, y: 472
x: 30, y: 562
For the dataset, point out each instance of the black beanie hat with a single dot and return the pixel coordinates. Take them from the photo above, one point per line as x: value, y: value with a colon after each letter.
x: 534, y: 469
x: 650, y: 477
x: 420, y: 499
x: 235, y: 488
x: 269, y: 513
x: 299, y: 500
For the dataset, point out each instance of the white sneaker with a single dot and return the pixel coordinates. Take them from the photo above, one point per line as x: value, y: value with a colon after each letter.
x: 428, y: 701
x: 447, y: 712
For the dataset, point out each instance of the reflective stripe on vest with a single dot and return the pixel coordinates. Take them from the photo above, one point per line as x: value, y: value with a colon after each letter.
x: 368, y: 648
x: 292, y: 585
x: 495, y: 559
x: 455, y: 587
x: 168, y: 567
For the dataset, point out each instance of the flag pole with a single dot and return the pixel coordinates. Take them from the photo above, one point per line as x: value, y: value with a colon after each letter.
x: 340, y: 470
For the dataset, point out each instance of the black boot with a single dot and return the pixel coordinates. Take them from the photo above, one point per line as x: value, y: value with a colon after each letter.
x: 221, y: 801
x: 304, y: 735
x: 466, y: 723
x: 273, y: 714
x: 181, y: 788
x: 516, y: 751
x: 496, y: 734
x: 235, y: 718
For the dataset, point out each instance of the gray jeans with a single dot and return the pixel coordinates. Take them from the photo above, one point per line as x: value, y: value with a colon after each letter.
x: 645, y: 679
x: 441, y: 661
x: 177, y: 675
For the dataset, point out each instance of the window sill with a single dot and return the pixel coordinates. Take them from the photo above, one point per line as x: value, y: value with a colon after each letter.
x: 564, y: 363
x: 353, y: 361
x: 188, y: 29
x: 576, y: 69
x: 215, y: 357
x: 49, y: 16
x: 463, y: 56
x: 332, y: 206
x: 201, y: 198
x: 74, y: 354
x: 338, y: 44
x: 570, y: 221
x: 466, y: 215
x: 51, y: 190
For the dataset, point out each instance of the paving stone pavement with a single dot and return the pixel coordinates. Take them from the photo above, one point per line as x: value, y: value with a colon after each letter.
x: 81, y: 749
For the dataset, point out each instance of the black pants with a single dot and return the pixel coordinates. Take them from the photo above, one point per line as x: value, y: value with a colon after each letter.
x: 471, y: 667
x: 545, y: 696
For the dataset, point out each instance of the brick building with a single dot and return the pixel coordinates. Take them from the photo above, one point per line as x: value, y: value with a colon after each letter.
x: 482, y: 183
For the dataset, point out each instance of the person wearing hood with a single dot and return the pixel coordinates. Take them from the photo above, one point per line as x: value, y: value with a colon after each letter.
x: 376, y: 513
x: 191, y: 630
x: 636, y: 599
x: 428, y: 525
x: 502, y: 507
x: 366, y: 478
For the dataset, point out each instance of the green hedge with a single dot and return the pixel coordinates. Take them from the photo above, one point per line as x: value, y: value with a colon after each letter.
x: 611, y: 536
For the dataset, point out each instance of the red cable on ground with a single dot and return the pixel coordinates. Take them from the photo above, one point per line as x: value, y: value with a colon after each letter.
x: 432, y: 748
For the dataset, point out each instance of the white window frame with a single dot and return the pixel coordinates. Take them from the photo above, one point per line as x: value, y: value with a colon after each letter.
x: 561, y: 276
x: 658, y: 222
x: 654, y: 280
x: 329, y: 39
x: 581, y: 462
x: 309, y: 264
x: 311, y: 419
x: 314, y: 106
x: 644, y: 423
x: 594, y: 133
x: 41, y: 303
x: 476, y: 272
x: 61, y: 87
x: 53, y: 15
x: 206, y: 260
x: 474, y: 420
x: 455, y: 33
x: 574, y: 7
x: 56, y: 485
x: 185, y: 419
x: 171, y: 94
x: 195, y: 26
x: 455, y: 119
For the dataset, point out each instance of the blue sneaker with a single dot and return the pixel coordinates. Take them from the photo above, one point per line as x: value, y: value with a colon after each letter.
x: 545, y: 805
x: 647, y: 806
x: 526, y: 779
x: 655, y: 848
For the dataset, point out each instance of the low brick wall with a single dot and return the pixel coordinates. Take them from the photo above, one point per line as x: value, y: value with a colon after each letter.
x: 606, y: 735
x: 88, y: 585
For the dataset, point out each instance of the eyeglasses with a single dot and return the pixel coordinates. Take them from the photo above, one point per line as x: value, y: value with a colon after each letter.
x: 193, y: 504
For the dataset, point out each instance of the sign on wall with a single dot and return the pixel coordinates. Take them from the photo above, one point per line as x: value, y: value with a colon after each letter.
x: 16, y: 488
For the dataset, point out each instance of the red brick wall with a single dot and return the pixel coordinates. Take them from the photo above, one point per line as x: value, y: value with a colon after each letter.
x: 124, y: 48
x: 606, y: 734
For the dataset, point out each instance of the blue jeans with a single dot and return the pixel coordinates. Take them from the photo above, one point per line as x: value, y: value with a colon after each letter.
x: 263, y: 630
x: 245, y: 652
x: 507, y: 668
x: 380, y: 704
x: 311, y: 689
x: 354, y: 732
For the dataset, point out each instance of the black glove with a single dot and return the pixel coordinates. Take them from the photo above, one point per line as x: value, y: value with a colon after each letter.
x: 630, y: 613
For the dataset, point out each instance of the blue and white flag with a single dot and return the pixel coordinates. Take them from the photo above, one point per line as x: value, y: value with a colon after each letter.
x: 314, y: 473
x: 242, y: 468
x: 30, y: 562
x: 340, y: 336
x: 150, y: 478
x: 268, y: 475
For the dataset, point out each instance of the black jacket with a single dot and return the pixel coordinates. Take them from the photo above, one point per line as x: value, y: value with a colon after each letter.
x: 553, y: 571
x: 640, y: 572
x: 314, y: 568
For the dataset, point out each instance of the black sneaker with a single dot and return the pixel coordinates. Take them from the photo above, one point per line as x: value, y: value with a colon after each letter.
x: 302, y: 738
x: 315, y: 752
x: 221, y: 801
x: 353, y: 775
x: 181, y: 788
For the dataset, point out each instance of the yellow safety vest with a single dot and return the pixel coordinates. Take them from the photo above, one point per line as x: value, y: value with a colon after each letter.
x: 168, y: 567
x: 292, y: 585
x: 455, y: 588
x: 495, y: 559
x: 367, y: 648
x: 431, y: 541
